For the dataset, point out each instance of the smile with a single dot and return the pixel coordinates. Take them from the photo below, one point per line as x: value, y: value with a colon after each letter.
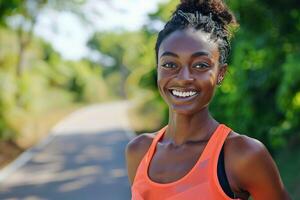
x: 185, y: 94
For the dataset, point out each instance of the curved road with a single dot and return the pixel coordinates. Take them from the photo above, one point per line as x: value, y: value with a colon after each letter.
x: 81, y: 159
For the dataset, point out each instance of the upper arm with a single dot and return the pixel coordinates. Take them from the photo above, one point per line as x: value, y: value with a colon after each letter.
x: 134, y: 152
x: 257, y: 172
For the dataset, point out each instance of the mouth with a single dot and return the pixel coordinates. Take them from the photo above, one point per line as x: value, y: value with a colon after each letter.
x: 186, y: 94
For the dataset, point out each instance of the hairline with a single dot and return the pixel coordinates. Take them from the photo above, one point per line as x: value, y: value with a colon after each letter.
x: 216, y: 40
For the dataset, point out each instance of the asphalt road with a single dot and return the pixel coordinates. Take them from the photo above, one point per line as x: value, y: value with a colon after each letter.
x: 83, y: 158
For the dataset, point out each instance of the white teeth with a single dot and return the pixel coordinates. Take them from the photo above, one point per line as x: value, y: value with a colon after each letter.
x: 183, y: 94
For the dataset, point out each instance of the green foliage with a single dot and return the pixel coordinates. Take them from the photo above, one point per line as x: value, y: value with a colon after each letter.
x: 263, y: 60
x: 47, y: 82
x: 289, y: 165
x: 8, y: 7
x: 164, y: 11
x: 8, y: 90
x: 132, y: 58
x: 87, y: 82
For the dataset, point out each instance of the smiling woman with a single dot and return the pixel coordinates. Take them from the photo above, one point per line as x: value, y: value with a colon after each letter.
x: 194, y: 68
x: 194, y: 156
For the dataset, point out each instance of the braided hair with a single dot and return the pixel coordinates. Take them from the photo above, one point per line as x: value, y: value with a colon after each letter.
x: 210, y: 16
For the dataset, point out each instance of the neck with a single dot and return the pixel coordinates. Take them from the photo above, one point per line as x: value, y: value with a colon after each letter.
x: 184, y: 128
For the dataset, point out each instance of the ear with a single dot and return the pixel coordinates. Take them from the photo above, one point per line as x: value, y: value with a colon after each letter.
x: 221, y: 73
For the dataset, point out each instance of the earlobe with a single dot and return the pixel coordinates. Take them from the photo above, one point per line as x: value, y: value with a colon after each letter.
x: 222, y: 72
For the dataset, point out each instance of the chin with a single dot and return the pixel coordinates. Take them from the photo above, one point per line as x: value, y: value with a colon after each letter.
x: 183, y: 109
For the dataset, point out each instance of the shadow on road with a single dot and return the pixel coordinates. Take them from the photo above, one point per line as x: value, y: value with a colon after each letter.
x: 76, y: 166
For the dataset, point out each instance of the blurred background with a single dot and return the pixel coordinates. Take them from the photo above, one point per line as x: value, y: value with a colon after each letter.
x: 57, y: 56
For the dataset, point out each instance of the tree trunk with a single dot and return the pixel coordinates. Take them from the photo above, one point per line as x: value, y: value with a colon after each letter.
x: 24, y: 41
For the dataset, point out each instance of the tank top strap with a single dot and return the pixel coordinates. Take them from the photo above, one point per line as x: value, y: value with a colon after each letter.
x: 215, y: 142
x: 213, y: 146
x: 154, y: 142
x: 224, y: 132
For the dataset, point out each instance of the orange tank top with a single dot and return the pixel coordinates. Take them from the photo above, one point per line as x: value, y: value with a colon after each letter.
x: 200, y: 183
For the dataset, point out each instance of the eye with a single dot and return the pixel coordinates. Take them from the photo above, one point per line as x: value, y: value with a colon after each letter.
x: 169, y: 65
x: 201, y: 65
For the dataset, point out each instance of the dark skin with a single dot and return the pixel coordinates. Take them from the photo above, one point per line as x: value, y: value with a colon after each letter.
x: 188, y: 60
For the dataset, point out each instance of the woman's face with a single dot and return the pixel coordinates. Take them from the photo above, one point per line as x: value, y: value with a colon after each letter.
x: 188, y: 69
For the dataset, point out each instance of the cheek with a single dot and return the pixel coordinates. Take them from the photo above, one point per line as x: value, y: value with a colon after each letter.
x: 161, y: 73
x: 208, y: 80
x: 161, y: 81
x: 208, y: 84
x: 212, y: 78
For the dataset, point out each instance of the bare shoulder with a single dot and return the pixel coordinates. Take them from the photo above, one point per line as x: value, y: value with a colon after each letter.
x: 252, y: 168
x: 241, y: 146
x: 140, y: 143
x: 247, y: 154
x: 135, y: 151
x: 240, y: 152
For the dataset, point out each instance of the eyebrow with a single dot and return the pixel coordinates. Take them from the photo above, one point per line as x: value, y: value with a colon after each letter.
x: 197, y: 54
x: 168, y: 53
x: 200, y: 53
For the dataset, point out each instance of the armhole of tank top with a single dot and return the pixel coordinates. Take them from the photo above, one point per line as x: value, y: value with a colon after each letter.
x: 216, y: 162
x: 222, y: 177
x: 138, y: 169
x: 146, y: 155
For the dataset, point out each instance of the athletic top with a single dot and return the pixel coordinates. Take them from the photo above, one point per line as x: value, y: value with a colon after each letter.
x: 200, y: 183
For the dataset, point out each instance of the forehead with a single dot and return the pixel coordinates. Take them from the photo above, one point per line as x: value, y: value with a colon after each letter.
x: 188, y: 41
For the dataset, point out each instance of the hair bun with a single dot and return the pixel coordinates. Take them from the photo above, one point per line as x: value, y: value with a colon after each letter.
x: 219, y: 10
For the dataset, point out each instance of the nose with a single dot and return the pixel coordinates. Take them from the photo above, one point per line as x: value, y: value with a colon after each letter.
x: 184, y: 74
